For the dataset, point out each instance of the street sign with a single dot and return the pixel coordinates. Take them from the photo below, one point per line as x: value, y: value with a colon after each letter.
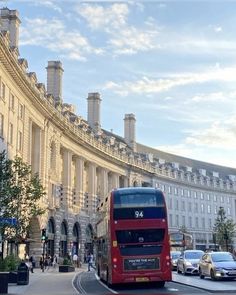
x: 8, y: 221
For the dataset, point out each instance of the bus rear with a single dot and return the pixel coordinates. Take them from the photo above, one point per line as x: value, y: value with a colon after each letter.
x: 139, y: 242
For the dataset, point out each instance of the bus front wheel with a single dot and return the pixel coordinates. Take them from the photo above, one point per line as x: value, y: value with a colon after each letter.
x: 160, y: 284
x: 98, y: 271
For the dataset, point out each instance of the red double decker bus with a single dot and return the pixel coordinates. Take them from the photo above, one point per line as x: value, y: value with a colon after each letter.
x: 132, y: 237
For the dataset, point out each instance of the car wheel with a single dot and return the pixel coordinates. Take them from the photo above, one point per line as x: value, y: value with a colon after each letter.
x: 212, y: 275
x: 200, y: 274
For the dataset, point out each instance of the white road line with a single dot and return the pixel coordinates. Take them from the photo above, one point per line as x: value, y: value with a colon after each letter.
x: 80, y: 286
x: 72, y: 282
x: 105, y: 286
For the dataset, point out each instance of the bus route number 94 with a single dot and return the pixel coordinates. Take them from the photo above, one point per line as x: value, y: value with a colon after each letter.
x: 138, y: 214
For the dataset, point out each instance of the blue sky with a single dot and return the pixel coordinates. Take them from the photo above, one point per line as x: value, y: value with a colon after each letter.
x: 171, y: 63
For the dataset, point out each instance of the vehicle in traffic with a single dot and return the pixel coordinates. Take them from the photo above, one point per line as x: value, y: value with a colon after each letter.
x: 132, y: 237
x: 180, y: 241
x: 188, y: 262
x: 217, y: 265
x: 174, y: 255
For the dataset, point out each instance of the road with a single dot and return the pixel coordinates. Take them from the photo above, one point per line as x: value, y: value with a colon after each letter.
x: 87, y: 283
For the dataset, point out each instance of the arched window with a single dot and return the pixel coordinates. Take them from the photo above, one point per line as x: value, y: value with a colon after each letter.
x: 63, y: 251
x: 51, y: 237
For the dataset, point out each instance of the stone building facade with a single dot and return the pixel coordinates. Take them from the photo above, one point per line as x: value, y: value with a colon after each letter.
x: 79, y: 162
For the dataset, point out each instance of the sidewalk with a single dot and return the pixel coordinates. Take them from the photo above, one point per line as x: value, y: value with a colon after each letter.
x: 49, y: 282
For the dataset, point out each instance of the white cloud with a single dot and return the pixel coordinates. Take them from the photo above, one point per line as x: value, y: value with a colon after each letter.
x: 218, y: 135
x: 209, y: 144
x: 113, y: 20
x: 147, y: 85
x: 213, y: 97
x: 132, y: 40
x: 99, y: 17
x: 53, y: 35
x: 49, y: 4
x: 218, y: 29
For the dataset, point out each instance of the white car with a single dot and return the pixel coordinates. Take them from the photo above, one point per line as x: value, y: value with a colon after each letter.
x: 188, y: 262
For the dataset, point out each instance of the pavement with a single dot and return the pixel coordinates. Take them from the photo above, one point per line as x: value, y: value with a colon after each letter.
x: 50, y: 281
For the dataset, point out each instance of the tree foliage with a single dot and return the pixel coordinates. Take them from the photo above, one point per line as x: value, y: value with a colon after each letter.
x: 224, y: 229
x: 20, y: 193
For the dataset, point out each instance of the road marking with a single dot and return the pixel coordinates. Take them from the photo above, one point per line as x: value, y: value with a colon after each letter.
x: 173, y: 289
x: 79, y: 284
x: 105, y: 286
x: 73, y: 282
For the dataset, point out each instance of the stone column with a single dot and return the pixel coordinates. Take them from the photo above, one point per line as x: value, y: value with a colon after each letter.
x: 66, y: 180
x: 115, y: 180
x: 36, y: 149
x: 92, y: 186
x: 79, y: 174
x: 104, y: 183
x: 126, y: 182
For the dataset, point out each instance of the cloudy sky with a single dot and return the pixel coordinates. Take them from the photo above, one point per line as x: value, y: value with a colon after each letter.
x: 171, y: 63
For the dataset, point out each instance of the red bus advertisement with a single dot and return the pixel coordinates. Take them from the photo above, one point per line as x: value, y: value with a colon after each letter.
x: 132, y: 237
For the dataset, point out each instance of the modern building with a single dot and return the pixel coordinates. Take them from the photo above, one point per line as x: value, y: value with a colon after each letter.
x: 79, y: 162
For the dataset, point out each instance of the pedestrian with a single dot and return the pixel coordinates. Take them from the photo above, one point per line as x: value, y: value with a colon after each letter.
x: 41, y: 263
x: 90, y: 261
x: 75, y: 260
x: 54, y: 262
x: 32, y: 261
x: 46, y: 263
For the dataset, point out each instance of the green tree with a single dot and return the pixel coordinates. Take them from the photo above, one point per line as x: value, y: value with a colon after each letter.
x: 20, y: 194
x: 224, y: 229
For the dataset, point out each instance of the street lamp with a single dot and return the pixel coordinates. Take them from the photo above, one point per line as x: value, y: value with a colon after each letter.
x: 226, y: 237
x: 214, y: 240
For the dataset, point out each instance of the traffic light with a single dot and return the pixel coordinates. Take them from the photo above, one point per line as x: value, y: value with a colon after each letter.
x: 43, y: 235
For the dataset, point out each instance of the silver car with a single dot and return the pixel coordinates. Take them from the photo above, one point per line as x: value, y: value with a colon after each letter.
x: 217, y: 265
x: 174, y: 255
x: 188, y: 262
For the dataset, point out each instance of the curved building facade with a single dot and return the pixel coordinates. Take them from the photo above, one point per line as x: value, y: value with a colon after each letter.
x: 79, y: 162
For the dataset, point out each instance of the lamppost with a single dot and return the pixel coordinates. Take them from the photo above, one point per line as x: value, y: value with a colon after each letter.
x: 214, y: 240
x: 226, y: 237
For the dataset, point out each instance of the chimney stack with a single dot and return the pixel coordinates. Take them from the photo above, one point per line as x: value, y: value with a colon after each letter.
x: 54, y: 80
x: 94, y: 102
x: 130, y: 131
x: 9, y: 21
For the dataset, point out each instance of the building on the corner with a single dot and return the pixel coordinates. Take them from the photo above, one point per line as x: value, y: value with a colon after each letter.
x: 79, y: 162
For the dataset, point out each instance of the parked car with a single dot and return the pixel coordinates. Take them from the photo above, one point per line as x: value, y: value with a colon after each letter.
x: 174, y: 255
x: 188, y: 262
x: 217, y: 265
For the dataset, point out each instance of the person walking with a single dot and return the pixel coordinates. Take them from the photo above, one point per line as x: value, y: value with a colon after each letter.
x: 41, y: 263
x: 75, y: 260
x: 32, y: 261
x: 54, y: 262
x: 90, y: 261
